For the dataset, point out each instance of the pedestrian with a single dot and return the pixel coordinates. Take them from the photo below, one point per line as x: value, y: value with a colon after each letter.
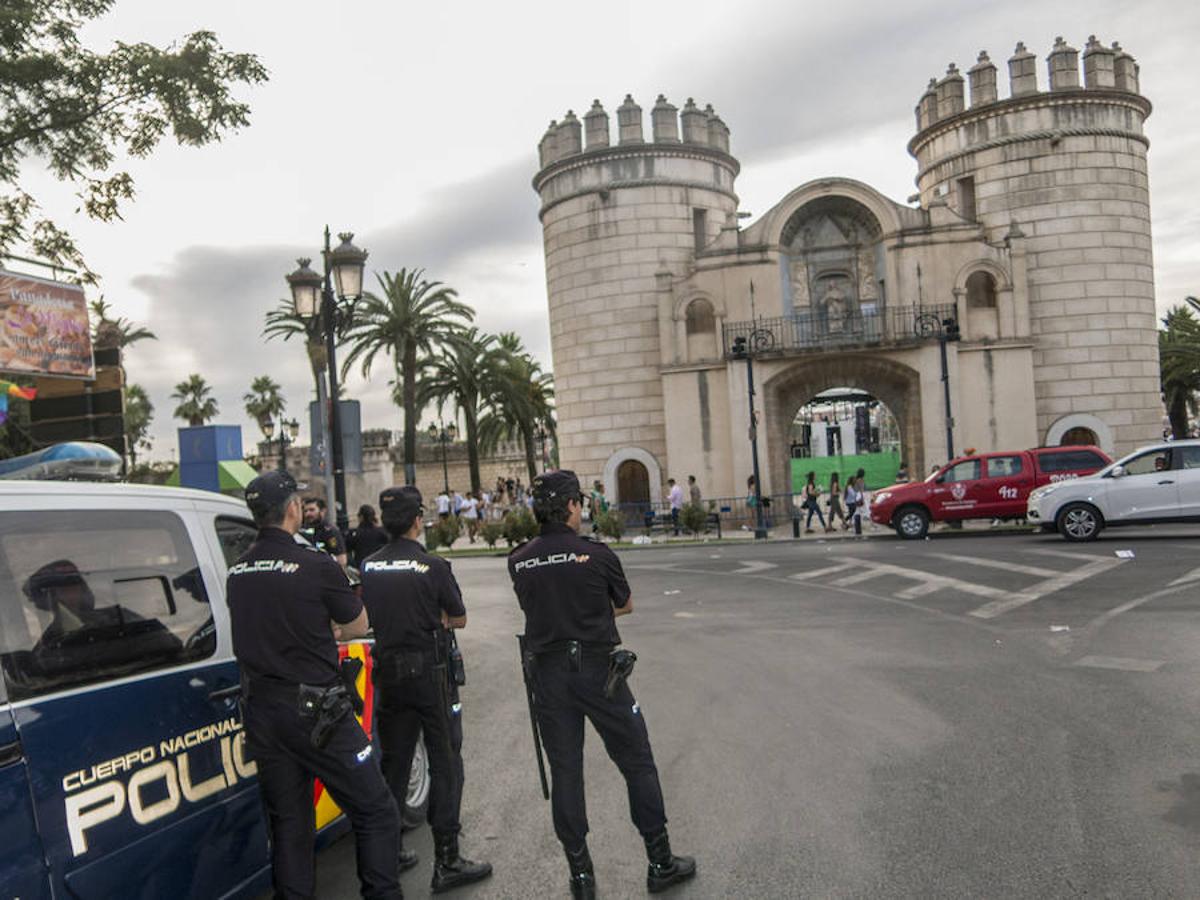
x: 319, y: 532
x: 693, y: 490
x: 414, y: 603
x: 856, y: 500
x: 288, y: 605
x: 835, y: 501
x: 598, y: 503
x: 571, y: 590
x: 812, y: 502
x: 675, y: 501
x: 365, y: 538
x: 443, y: 504
x: 470, y: 513
x: 902, y: 476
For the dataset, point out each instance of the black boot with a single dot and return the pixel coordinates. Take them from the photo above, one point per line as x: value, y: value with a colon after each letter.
x: 583, y: 877
x: 665, y: 868
x: 451, y: 870
x: 408, y: 859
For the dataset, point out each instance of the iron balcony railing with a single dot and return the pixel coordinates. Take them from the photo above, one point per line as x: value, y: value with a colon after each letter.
x: 819, y: 330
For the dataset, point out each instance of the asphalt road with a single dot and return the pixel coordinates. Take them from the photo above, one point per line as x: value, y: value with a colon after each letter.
x: 977, y: 715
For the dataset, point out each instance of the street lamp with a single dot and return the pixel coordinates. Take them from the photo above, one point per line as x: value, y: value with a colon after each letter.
x: 741, y: 349
x: 540, y: 434
x: 945, y: 330
x: 289, y: 430
x: 313, y: 296
x: 444, y: 434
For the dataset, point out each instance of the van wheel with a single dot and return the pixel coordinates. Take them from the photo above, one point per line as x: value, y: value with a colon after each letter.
x: 911, y: 523
x: 416, y: 802
x: 1079, y: 522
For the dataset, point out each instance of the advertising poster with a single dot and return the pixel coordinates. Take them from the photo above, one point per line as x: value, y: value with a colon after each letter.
x: 43, y: 327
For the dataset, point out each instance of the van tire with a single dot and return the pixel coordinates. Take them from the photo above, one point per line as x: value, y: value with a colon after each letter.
x: 911, y: 522
x: 1079, y: 522
x: 416, y: 801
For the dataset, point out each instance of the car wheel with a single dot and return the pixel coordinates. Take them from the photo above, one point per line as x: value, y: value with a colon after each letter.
x: 416, y: 802
x: 1079, y: 522
x: 911, y: 523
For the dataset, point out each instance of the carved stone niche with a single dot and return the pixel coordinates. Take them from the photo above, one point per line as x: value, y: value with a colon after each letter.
x: 799, y: 280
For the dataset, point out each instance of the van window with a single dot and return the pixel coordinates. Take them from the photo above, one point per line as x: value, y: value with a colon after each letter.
x: 1003, y: 466
x: 235, y: 536
x: 967, y: 470
x: 1070, y: 460
x: 91, y: 595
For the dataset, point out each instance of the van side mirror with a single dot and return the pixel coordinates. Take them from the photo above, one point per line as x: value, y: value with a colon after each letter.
x: 1117, y: 472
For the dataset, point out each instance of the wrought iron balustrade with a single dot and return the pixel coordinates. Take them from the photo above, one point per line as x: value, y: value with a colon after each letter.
x: 818, y: 330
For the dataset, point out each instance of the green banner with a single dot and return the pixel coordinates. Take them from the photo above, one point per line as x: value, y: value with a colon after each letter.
x: 880, y: 468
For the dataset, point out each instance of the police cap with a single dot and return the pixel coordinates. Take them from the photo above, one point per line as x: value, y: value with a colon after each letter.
x: 269, y: 490
x: 556, y: 483
x: 400, y: 504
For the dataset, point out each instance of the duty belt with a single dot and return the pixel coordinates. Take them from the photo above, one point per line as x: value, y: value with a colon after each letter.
x: 325, y: 705
x: 574, y: 652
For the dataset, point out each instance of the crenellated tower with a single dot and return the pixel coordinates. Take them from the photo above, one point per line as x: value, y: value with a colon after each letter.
x: 1057, y: 175
x: 620, y: 219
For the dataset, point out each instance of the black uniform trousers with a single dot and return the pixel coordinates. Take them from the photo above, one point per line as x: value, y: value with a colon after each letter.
x: 278, y: 739
x: 563, y: 698
x: 406, y: 707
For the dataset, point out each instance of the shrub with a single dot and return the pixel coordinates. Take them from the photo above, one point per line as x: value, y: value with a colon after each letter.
x: 693, y: 517
x: 519, y: 526
x: 491, y: 533
x: 443, y: 532
x: 610, y: 524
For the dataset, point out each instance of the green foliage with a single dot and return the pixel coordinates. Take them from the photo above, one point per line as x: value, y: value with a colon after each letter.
x: 284, y: 322
x: 522, y: 402
x: 196, y: 406
x: 491, y: 533
x: 693, y: 517
x: 610, y: 524
x: 443, y: 533
x: 139, y: 413
x: 75, y: 111
x: 519, y: 526
x: 1179, y: 357
x: 264, y: 399
x: 118, y: 332
x: 150, y: 473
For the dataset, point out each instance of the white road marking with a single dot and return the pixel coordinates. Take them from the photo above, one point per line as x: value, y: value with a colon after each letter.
x: 754, y: 565
x: 1067, y: 554
x: 820, y: 573
x: 1120, y: 662
x: 999, y: 564
x: 927, y: 582
x: 685, y: 615
x: 1191, y: 576
x: 1049, y: 586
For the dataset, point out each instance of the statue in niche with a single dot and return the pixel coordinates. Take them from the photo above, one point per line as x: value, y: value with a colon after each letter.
x: 799, y: 279
x: 867, y: 289
x: 834, y: 302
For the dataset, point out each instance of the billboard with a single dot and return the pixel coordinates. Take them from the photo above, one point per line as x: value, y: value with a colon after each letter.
x: 44, y: 327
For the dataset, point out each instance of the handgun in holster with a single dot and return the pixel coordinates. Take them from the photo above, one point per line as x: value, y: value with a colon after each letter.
x: 327, y: 706
x: 620, y: 666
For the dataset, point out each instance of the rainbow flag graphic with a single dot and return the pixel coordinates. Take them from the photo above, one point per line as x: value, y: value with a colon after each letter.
x: 8, y: 389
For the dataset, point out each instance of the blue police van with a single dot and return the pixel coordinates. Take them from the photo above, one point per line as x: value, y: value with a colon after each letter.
x: 123, y: 770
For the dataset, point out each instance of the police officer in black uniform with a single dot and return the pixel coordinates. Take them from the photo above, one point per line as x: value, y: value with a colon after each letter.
x: 319, y: 532
x: 571, y: 589
x: 289, y: 603
x: 413, y: 601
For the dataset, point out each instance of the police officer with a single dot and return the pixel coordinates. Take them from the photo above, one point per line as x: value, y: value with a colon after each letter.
x: 289, y: 603
x: 320, y: 533
x: 413, y: 600
x: 572, y: 589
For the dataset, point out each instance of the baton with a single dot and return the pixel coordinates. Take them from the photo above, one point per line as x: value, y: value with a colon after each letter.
x: 537, y: 738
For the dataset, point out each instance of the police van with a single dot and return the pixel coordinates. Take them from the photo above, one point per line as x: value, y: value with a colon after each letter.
x: 123, y: 770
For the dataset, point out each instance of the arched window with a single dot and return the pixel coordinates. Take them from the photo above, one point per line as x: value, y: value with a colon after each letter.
x: 1079, y: 436
x: 981, y: 291
x: 701, y: 328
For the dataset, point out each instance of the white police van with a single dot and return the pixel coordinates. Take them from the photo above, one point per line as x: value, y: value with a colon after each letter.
x: 123, y: 771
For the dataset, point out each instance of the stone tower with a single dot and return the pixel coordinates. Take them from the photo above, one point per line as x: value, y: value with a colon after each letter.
x: 1058, y: 175
x: 620, y: 220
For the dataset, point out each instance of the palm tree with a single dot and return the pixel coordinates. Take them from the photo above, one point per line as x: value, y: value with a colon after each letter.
x: 264, y: 399
x: 139, y: 412
x: 195, y: 404
x: 284, y: 322
x: 119, y: 332
x: 466, y: 373
x: 522, y: 403
x: 1179, y: 358
x: 409, y: 321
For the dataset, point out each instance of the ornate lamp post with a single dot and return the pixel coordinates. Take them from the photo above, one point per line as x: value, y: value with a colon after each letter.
x: 760, y: 339
x: 444, y: 434
x: 945, y: 330
x: 313, y: 295
x: 540, y: 434
x: 289, y: 430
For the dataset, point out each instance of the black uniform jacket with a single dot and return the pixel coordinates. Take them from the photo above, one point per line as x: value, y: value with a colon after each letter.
x: 325, y: 537
x: 406, y: 590
x: 282, y: 596
x: 567, y: 585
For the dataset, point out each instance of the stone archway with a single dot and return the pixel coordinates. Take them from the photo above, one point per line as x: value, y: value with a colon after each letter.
x: 894, y: 384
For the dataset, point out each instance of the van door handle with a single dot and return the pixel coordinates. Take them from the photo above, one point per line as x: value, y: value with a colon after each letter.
x: 11, y: 753
x: 228, y: 693
x: 1168, y: 481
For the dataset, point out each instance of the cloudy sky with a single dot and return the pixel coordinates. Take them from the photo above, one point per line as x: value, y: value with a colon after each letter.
x: 415, y: 125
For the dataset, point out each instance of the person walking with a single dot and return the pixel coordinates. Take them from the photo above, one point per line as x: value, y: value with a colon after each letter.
x: 855, y: 499
x: 415, y: 603
x: 289, y: 603
x: 812, y: 502
x: 571, y: 590
x: 675, y: 501
x: 443, y: 504
x: 835, y: 502
x: 366, y: 537
x: 694, y: 490
x: 470, y: 514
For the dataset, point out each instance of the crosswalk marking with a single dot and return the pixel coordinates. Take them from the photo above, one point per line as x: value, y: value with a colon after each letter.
x: 821, y: 573
x: 1063, y: 580
x: 754, y: 565
x: 1191, y: 576
x: 927, y: 582
x: 1003, y: 565
x: 1120, y: 662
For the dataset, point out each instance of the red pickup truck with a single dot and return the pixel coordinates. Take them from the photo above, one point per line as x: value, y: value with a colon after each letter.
x: 985, y: 486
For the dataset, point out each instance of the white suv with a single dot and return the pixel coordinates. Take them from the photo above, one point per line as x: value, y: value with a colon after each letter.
x: 1158, y: 483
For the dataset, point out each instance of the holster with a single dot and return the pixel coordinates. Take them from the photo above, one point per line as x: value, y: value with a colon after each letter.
x: 326, y: 706
x: 620, y: 667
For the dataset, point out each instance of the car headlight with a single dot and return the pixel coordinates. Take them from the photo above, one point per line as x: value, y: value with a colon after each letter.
x: 883, y: 497
x: 1042, y: 492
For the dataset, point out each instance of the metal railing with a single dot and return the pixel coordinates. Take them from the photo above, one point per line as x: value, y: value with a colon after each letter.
x: 821, y: 330
x: 733, y: 512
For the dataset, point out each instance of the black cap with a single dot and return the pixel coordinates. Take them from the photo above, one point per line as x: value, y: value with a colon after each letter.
x: 556, y: 483
x: 400, y: 504
x: 270, y: 489
x: 60, y: 573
